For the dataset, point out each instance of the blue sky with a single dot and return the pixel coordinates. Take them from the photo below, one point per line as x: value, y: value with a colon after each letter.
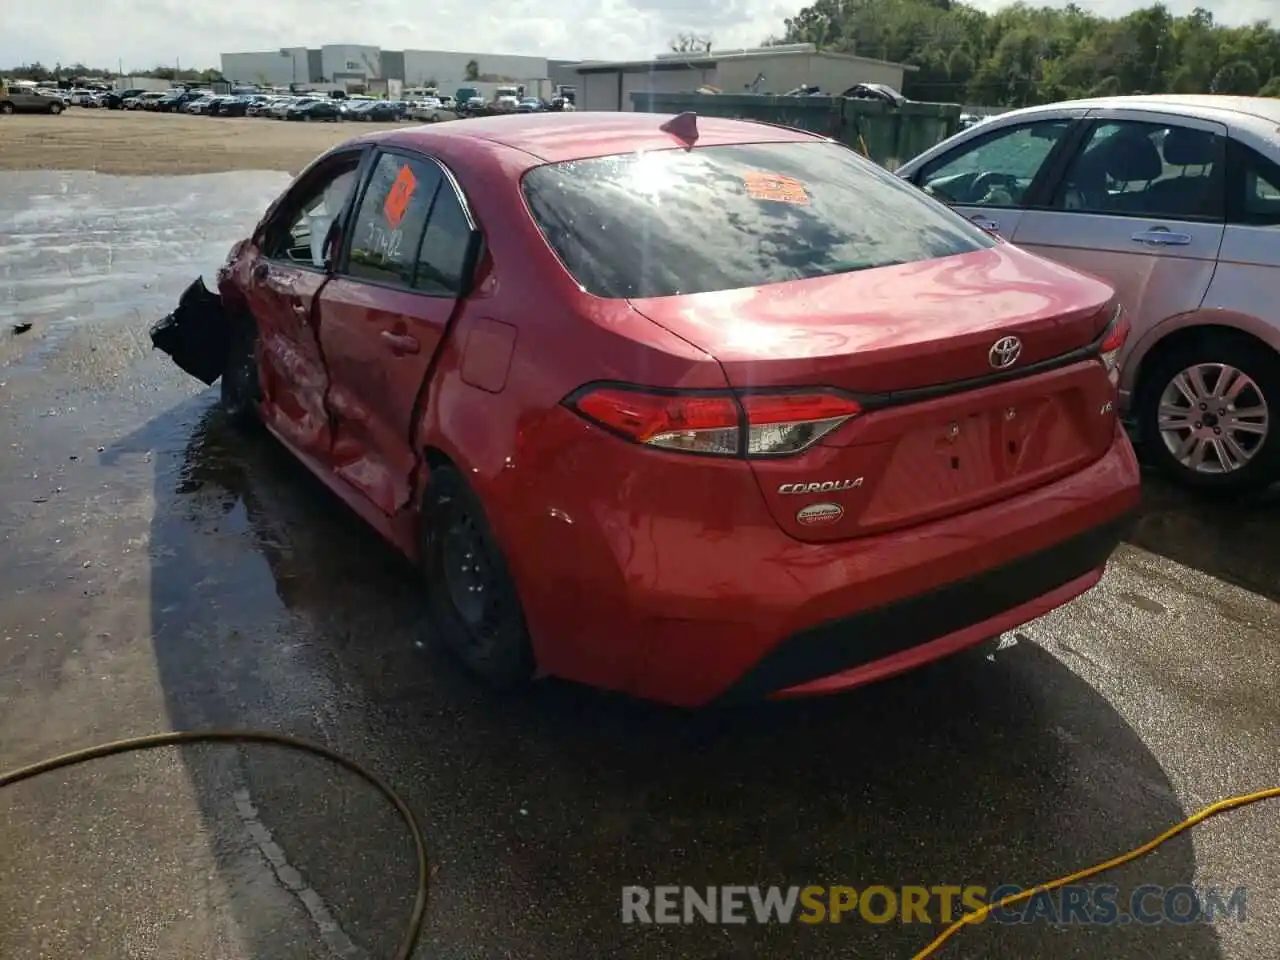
x: 145, y: 33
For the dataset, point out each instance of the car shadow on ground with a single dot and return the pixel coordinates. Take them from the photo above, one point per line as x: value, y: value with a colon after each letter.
x: 274, y: 607
x: 1233, y: 539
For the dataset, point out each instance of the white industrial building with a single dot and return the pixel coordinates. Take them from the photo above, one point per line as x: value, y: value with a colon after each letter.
x: 604, y: 85
x: 356, y: 65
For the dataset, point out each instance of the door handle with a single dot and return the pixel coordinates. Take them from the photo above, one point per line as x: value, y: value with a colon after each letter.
x: 984, y: 223
x: 400, y: 343
x: 299, y: 309
x: 1162, y: 237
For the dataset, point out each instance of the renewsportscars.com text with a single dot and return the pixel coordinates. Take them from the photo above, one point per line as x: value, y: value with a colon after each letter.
x: 1079, y: 904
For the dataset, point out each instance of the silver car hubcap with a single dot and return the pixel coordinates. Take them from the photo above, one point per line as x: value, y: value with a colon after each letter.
x: 1213, y: 418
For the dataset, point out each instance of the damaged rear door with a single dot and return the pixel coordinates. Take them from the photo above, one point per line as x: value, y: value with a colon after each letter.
x: 385, y: 313
x: 280, y: 281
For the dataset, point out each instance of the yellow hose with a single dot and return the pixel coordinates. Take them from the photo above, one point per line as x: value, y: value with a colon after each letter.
x: 418, y: 913
x: 1231, y: 803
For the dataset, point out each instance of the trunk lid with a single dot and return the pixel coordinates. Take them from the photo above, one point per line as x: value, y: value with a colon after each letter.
x: 892, y: 328
x: 914, y: 341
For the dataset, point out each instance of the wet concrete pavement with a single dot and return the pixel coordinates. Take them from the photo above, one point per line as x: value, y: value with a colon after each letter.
x: 161, y: 571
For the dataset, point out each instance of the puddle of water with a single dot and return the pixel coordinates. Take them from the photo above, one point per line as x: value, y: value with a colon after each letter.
x: 81, y: 247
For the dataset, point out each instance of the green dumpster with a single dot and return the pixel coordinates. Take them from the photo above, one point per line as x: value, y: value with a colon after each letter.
x: 890, y: 135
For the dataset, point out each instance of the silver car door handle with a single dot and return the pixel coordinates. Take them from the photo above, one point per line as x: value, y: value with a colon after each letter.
x: 1162, y: 237
x: 984, y: 223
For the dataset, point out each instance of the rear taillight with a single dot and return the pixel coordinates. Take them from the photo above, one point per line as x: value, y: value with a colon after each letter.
x: 1109, y: 353
x: 782, y: 423
x: 716, y: 422
x: 693, y: 423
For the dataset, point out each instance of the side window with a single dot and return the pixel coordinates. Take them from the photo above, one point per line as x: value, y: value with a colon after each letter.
x: 302, y: 226
x: 444, y: 247
x: 1255, y: 188
x: 392, y: 215
x: 998, y: 169
x: 1148, y: 170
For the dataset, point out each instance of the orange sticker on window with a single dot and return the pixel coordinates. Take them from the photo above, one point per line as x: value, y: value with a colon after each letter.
x: 779, y: 189
x: 399, y: 196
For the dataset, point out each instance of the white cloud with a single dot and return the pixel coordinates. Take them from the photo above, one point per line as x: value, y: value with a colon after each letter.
x: 146, y: 33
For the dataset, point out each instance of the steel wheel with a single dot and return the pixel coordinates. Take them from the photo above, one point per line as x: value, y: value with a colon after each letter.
x: 1213, y: 418
x: 476, y: 610
x: 469, y: 576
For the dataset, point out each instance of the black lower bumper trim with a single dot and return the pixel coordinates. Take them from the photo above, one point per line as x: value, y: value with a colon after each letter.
x: 874, y: 634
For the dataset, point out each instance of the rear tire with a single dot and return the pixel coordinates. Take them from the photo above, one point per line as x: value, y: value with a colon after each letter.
x: 1182, y: 441
x: 474, y: 608
x: 6, y: 108
x: 241, y: 388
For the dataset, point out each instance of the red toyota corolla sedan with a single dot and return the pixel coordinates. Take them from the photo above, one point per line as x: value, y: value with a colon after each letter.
x: 694, y: 409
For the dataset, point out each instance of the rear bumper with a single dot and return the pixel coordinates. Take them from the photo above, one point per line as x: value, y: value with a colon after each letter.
x: 898, y: 636
x: 693, y: 595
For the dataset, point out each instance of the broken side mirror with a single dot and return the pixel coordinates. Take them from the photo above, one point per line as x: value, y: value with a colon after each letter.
x: 470, y: 263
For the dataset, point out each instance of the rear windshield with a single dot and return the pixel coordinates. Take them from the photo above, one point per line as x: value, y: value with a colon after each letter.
x: 671, y: 222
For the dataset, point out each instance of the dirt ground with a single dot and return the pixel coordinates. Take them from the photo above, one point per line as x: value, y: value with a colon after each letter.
x: 113, y: 141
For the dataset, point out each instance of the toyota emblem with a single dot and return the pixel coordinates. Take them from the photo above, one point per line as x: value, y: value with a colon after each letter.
x: 1005, y: 352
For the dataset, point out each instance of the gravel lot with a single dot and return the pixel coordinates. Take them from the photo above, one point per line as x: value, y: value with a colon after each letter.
x: 116, y: 141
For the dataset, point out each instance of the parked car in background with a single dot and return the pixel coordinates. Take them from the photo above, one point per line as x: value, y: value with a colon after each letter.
x: 385, y: 111
x: 354, y: 104
x: 237, y: 106
x: 354, y: 109
x: 146, y: 101
x: 780, y: 425
x: 114, y: 100
x: 27, y: 100
x: 262, y: 107
x: 201, y: 105
x: 178, y: 102
x: 227, y: 106
x: 530, y: 105
x: 280, y: 109
x: 318, y: 109
x: 429, y: 112
x: 1176, y: 201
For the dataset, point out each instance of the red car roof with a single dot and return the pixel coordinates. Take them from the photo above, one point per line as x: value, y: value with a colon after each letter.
x: 554, y: 137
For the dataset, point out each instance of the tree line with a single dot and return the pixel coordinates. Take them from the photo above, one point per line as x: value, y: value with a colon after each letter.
x: 41, y: 73
x: 1023, y: 55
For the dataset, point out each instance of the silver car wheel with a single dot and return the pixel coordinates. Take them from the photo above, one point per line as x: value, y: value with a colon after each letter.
x: 1213, y: 418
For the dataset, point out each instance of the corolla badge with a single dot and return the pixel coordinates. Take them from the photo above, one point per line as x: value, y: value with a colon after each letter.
x: 1005, y: 352
x: 825, y: 486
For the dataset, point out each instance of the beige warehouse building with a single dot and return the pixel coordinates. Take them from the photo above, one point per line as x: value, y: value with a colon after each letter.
x: 608, y: 85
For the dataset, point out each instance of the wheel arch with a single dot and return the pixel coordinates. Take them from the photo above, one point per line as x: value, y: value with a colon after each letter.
x: 1207, y: 343
x: 1188, y: 327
